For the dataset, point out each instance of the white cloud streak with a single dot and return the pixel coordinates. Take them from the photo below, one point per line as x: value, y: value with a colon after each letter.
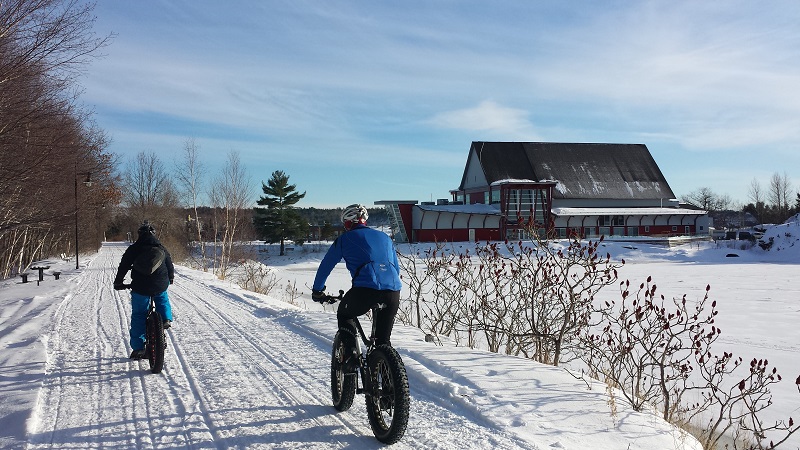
x: 491, y: 118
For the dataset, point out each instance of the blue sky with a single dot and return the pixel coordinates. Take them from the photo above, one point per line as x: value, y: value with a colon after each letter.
x: 366, y: 101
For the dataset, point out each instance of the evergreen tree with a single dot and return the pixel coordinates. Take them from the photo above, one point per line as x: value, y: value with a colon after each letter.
x: 327, y: 231
x: 279, y: 220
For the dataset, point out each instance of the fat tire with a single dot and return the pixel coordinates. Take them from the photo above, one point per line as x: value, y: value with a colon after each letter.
x: 155, y: 341
x: 343, y: 387
x: 389, y: 402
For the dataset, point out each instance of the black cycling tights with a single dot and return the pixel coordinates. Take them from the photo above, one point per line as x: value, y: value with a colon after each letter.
x: 358, y: 301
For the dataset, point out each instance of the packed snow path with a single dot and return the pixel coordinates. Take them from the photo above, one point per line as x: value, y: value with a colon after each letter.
x: 237, y: 375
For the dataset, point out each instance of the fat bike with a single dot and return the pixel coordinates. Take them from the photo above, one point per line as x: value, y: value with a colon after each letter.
x: 384, y: 382
x: 155, y: 342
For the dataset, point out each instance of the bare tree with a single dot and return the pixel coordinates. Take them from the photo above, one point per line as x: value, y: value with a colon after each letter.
x: 755, y: 194
x: 148, y: 193
x: 663, y: 353
x: 419, y: 282
x: 190, y: 173
x: 146, y: 186
x: 529, y: 298
x: 231, y: 196
x: 46, y: 140
x: 54, y: 35
x: 708, y: 200
x: 780, y: 194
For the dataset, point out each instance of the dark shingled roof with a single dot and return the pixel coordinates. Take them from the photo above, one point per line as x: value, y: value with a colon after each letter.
x: 583, y: 171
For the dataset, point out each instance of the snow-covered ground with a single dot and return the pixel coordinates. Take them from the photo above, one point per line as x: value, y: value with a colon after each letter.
x: 249, y: 371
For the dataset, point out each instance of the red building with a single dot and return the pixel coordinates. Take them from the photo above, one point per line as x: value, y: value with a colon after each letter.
x: 585, y: 190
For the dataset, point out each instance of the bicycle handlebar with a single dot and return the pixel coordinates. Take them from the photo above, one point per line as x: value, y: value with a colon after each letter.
x: 330, y: 299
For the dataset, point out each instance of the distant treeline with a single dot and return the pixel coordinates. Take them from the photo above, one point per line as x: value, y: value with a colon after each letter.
x: 319, y: 216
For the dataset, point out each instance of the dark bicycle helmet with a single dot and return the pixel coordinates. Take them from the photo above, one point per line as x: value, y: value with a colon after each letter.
x: 145, y: 227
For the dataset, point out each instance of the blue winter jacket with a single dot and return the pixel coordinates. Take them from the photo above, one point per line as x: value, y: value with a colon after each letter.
x: 370, y: 257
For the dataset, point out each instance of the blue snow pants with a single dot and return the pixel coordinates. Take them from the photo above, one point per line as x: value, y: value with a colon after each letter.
x: 140, y: 303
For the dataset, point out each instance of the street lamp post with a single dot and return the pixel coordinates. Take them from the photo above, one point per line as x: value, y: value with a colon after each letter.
x: 87, y: 182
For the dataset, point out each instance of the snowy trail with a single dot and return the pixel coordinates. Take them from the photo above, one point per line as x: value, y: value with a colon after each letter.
x: 237, y: 374
x: 245, y: 370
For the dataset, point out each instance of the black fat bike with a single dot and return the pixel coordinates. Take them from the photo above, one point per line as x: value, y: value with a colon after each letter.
x: 155, y: 339
x: 384, y: 382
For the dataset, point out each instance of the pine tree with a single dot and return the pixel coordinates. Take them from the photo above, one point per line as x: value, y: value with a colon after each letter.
x: 279, y: 220
x: 329, y: 232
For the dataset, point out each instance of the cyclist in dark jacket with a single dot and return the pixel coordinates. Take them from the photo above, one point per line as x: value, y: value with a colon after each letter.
x: 145, y: 283
x: 371, y: 258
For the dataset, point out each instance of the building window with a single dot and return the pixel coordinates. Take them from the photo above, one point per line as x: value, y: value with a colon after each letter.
x: 646, y: 228
x: 674, y: 228
x: 520, y: 203
x: 496, y: 196
x: 612, y: 221
x: 540, y: 204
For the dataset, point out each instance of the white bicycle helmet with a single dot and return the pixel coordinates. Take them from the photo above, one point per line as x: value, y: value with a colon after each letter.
x: 354, y: 213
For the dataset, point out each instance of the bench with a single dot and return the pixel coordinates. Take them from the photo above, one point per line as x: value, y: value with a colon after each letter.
x: 65, y: 257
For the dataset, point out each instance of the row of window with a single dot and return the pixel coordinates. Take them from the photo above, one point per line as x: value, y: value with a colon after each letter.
x: 590, y: 232
x: 612, y: 221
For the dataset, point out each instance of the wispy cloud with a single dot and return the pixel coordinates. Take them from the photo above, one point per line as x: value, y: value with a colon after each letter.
x: 489, y: 118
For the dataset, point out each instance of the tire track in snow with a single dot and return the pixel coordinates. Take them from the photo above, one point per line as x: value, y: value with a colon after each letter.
x: 228, y: 327
x: 197, y: 395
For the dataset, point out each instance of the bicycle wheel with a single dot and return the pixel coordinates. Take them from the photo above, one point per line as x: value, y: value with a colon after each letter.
x: 388, y: 405
x: 155, y: 341
x: 343, y: 387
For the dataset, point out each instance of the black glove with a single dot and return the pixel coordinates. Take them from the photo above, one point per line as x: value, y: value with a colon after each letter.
x: 119, y: 287
x: 171, y: 281
x: 318, y: 296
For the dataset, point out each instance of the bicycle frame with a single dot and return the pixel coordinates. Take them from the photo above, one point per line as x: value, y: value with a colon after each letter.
x: 369, y: 344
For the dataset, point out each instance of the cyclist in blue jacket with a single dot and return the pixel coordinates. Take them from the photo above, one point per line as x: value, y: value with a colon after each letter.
x: 371, y: 258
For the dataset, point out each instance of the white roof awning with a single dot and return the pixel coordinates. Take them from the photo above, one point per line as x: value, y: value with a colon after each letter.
x: 566, y: 211
x: 476, y: 208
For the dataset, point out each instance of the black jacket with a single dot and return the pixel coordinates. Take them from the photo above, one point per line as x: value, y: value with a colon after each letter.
x: 153, y: 284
